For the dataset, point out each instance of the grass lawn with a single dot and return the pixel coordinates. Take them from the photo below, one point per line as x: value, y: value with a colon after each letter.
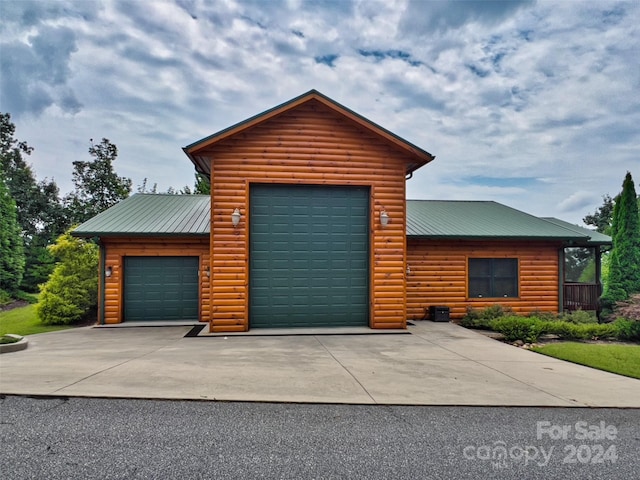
x: 620, y: 359
x: 23, y: 321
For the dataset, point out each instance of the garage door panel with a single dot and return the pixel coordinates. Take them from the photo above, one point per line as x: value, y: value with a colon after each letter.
x: 161, y: 288
x: 306, y: 245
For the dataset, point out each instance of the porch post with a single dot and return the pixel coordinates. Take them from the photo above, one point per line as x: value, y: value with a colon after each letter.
x: 561, y: 280
x: 598, y: 261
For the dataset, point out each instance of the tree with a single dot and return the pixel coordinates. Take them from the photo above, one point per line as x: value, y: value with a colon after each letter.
x: 39, y: 210
x: 624, y: 261
x: 39, y: 207
x: 601, y: 218
x: 203, y: 185
x: 97, y: 187
x: 71, y: 294
x: 11, y: 247
x: 143, y: 188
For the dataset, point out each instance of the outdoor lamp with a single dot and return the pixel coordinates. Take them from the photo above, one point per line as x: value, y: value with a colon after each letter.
x: 235, y: 217
x: 108, y: 271
x: 384, y: 218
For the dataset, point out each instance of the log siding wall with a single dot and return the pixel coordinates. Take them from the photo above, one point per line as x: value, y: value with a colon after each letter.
x: 439, y: 275
x: 310, y: 145
x: 115, y: 249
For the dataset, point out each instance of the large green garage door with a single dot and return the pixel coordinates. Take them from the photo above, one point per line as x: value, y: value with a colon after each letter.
x: 309, y: 250
x: 160, y: 288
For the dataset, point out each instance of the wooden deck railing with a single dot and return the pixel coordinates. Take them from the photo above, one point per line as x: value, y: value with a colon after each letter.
x: 581, y: 296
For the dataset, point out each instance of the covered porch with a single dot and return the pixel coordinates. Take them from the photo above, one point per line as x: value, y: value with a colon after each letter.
x: 581, y: 274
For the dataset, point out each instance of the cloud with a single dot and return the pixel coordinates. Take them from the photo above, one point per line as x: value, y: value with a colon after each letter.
x: 577, y: 201
x: 505, y: 94
x: 423, y: 18
x: 35, y: 73
x: 30, y: 13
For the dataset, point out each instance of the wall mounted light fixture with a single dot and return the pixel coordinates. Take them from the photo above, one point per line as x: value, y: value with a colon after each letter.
x: 208, y: 271
x: 108, y: 271
x: 384, y: 218
x: 235, y: 217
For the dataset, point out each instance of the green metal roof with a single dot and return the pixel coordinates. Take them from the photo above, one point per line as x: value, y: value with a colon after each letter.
x: 151, y: 215
x: 185, y: 215
x: 596, y: 238
x: 487, y: 220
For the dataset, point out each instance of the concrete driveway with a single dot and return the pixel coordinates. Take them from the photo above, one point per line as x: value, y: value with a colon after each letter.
x: 436, y: 364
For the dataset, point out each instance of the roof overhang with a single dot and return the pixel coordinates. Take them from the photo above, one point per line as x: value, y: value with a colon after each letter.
x: 89, y: 234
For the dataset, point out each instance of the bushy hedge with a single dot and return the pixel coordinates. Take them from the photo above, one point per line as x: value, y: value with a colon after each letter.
x: 515, y: 328
x: 628, y: 329
x: 574, y: 326
x: 482, y: 319
x: 581, y: 331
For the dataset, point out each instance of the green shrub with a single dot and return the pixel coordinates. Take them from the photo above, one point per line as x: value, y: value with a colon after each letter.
x: 579, y: 316
x: 627, y: 329
x: 26, y: 297
x: 481, y: 319
x: 543, y: 315
x: 495, y: 311
x: 5, y: 298
x: 560, y: 328
x: 519, y: 328
x: 476, y: 322
x: 580, y: 331
x: 6, y: 339
x: 71, y: 293
x: 594, y: 331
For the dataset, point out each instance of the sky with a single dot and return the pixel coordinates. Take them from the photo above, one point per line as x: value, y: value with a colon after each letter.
x: 532, y: 104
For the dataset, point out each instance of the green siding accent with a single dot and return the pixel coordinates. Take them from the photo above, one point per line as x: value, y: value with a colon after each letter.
x: 160, y: 288
x: 309, y: 256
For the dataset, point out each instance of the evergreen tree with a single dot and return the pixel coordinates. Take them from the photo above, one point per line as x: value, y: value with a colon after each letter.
x: 39, y: 210
x: 624, y: 261
x: 11, y: 247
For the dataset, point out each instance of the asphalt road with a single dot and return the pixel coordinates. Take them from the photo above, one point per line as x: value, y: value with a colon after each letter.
x: 72, y: 438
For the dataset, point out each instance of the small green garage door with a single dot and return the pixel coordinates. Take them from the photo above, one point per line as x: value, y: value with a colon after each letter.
x: 309, y: 250
x: 160, y: 288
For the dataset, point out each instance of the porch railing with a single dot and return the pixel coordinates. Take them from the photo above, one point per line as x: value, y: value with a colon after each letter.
x: 581, y: 296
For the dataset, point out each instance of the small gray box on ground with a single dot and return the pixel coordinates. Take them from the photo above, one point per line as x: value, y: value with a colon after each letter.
x: 439, y: 314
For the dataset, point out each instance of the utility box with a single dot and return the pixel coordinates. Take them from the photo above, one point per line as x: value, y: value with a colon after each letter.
x: 439, y: 314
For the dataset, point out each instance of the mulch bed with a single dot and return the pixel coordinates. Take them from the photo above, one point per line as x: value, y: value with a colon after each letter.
x: 12, y: 305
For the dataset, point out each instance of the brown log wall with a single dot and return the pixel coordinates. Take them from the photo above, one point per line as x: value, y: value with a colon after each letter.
x: 118, y: 248
x: 439, y: 275
x: 308, y: 145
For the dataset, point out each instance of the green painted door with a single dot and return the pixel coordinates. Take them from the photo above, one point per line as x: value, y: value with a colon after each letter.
x: 160, y: 288
x: 309, y: 256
